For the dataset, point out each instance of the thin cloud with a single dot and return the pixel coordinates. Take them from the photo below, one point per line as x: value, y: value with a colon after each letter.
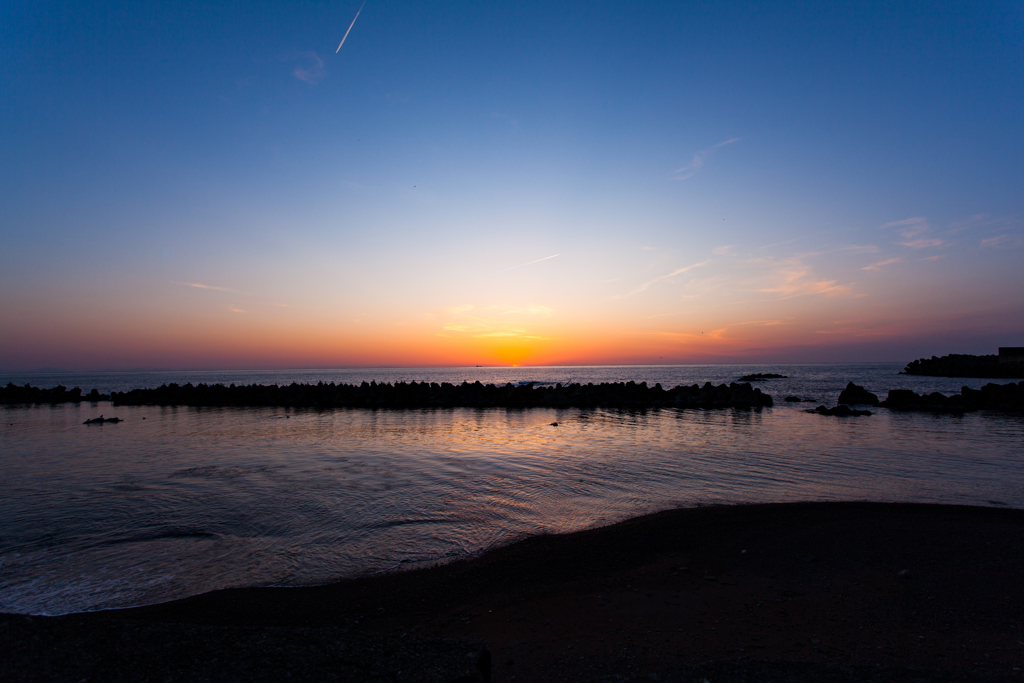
x: 923, y: 243
x: 202, y: 286
x: 237, y: 310
x: 726, y: 250
x: 527, y: 263
x: 1001, y: 241
x: 860, y: 248
x: 349, y: 28
x: 917, y: 223
x: 780, y: 244
x: 315, y: 71
x: 679, y: 271
x: 792, y: 289
x: 471, y: 310
x: 911, y: 230
x: 699, y: 158
x: 795, y: 278
x: 485, y: 322
x: 765, y: 323
x: 882, y: 264
x: 984, y: 221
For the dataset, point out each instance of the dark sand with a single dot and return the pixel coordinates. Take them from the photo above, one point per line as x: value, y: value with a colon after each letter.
x: 795, y: 592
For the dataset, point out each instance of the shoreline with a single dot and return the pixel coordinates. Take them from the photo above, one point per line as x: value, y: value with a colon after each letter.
x: 792, y: 588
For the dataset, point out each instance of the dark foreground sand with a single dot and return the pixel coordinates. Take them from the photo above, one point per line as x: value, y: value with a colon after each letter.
x: 798, y: 592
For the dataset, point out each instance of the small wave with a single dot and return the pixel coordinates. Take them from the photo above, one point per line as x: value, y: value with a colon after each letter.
x: 391, y: 523
x: 164, y: 534
x: 218, y: 472
x: 128, y: 486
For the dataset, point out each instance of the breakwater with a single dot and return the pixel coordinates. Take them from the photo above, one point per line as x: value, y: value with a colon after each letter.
x: 965, y: 365
x: 1004, y: 397
x: 447, y: 395
x: 13, y: 394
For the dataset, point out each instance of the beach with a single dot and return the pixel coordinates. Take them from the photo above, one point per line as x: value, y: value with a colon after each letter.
x: 800, y: 591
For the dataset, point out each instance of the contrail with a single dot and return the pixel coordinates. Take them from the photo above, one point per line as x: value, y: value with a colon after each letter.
x: 528, y: 263
x: 349, y: 28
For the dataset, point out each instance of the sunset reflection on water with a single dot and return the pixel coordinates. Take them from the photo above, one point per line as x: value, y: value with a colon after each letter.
x: 175, y: 501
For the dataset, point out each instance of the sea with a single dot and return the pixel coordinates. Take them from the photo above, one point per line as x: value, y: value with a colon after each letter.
x: 177, y: 501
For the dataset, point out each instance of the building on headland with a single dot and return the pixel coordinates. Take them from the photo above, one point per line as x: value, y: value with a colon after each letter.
x: 1011, y: 354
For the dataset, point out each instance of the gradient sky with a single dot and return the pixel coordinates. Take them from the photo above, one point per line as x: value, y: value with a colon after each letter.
x: 209, y: 185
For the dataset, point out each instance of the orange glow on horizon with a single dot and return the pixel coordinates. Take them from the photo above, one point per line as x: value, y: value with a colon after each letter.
x: 219, y: 334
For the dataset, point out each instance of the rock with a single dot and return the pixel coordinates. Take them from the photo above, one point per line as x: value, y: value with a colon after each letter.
x: 758, y: 376
x: 857, y: 395
x: 481, y: 661
x: 1002, y: 397
x: 99, y: 420
x: 839, y: 411
x: 794, y: 399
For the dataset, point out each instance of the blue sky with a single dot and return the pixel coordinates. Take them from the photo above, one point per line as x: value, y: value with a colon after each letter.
x: 837, y: 183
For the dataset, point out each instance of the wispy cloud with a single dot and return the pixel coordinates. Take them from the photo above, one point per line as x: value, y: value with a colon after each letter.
x: 693, y: 336
x: 726, y: 250
x: 882, y: 264
x: 861, y: 328
x: 859, y: 249
x: 764, y: 323
x: 915, y: 224
x: 911, y: 230
x: 699, y: 158
x: 202, y: 286
x: 678, y: 271
x: 349, y: 28
x: 470, y: 309
x: 312, y: 71
x: 1002, y: 241
x: 528, y: 263
x: 793, y: 277
x: 237, y: 310
x: 493, y: 321
x: 923, y: 243
x: 795, y: 287
x: 984, y: 221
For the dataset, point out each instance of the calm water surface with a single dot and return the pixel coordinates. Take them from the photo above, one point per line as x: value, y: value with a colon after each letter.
x: 178, y: 501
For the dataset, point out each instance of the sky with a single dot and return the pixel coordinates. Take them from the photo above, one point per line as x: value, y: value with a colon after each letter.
x: 197, y: 185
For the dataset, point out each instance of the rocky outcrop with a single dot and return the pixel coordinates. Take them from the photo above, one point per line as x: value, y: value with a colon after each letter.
x: 446, y: 395
x: 758, y: 376
x: 100, y: 420
x: 963, y: 365
x: 838, y: 411
x: 857, y: 395
x: 13, y: 394
x: 1003, y: 397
